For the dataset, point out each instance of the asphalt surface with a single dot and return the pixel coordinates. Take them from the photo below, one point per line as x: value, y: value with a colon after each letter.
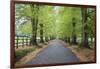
x: 55, y: 53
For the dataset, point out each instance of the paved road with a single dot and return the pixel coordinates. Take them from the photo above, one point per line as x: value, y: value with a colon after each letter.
x: 56, y: 52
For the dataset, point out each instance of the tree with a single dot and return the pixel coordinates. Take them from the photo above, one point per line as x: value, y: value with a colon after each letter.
x: 34, y: 20
x: 84, y: 28
x: 41, y: 33
x: 29, y: 13
x: 73, y: 32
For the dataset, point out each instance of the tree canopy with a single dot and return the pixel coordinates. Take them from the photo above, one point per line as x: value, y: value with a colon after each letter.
x: 54, y: 21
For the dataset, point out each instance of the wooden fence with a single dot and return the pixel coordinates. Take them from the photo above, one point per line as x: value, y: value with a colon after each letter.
x: 22, y: 41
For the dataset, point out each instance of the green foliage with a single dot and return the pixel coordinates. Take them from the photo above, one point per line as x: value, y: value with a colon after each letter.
x: 57, y: 20
x: 26, y: 28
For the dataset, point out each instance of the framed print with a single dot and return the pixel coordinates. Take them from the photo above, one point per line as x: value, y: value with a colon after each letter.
x: 49, y: 34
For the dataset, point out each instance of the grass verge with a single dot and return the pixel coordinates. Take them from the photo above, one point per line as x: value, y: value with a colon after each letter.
x: 21, y: 53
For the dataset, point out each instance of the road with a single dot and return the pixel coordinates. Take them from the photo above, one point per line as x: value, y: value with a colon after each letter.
x: 55, y: 53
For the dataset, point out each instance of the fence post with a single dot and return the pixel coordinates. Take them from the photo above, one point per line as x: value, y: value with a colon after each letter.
x: 17, y: 42
x: 30, y: 41
x: 23, y: 42
x: 26, y: 40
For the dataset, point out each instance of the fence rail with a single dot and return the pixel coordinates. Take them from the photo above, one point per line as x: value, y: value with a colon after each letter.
x: 22, y: 41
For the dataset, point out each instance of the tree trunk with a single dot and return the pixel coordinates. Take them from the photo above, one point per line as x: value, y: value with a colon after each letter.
x: 91, y: 42
x: 73, y: 32
x: 34, y: 20
x: 46, y: 39
x: 74, y: 39
x: 68, y: 39
x: 41, y: 33
x: 34, y: 31
x: 84, y: 41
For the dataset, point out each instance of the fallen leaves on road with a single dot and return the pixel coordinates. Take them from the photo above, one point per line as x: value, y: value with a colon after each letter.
x: 84, y: 54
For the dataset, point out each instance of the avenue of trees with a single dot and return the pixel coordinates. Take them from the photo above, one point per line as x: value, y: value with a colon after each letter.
x: 74, y: 25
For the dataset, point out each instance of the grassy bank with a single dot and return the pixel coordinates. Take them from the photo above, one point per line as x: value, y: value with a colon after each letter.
x: 21, y: 53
